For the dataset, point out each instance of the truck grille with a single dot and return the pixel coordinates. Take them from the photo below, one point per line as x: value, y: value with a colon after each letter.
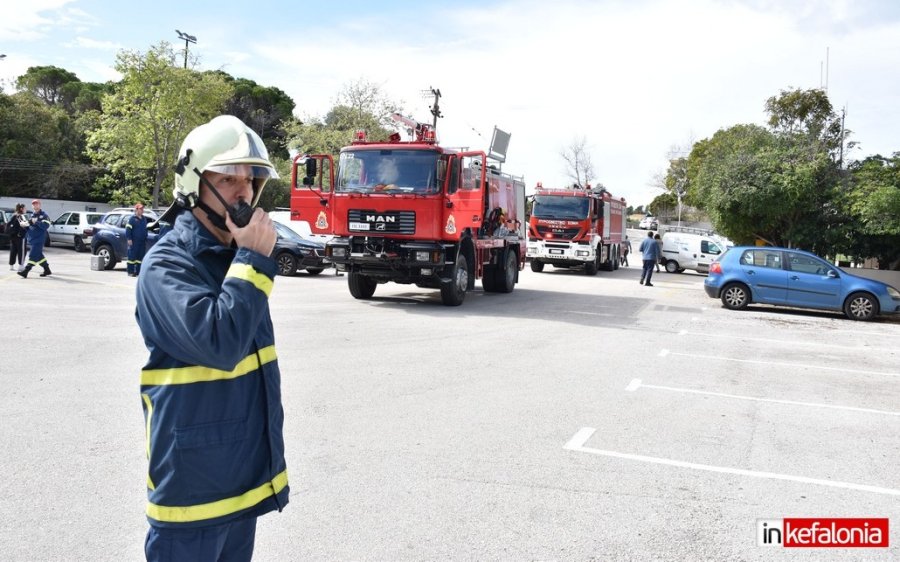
x: 558, y: 233
x: 381, y: 222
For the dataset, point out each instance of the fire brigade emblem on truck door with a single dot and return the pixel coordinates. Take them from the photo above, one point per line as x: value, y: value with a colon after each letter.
x: 451, y: 225
x: 322, y: 221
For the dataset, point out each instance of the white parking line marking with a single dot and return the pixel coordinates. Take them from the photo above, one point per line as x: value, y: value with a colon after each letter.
x: 576, y: 443
x: 632, y: 387
x: 796, y: 365
x: 777, y: 341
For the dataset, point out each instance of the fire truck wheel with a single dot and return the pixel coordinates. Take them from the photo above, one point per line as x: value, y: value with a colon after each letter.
x: 506, y: 277
x: 454, y: 292
x: 489, y: 280
x: 361, y: 286
x: 615, y: 261
x: 590, y: 268
x: 537, y: 266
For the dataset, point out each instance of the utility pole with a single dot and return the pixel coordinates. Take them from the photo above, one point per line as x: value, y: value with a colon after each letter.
x: 187, y: 39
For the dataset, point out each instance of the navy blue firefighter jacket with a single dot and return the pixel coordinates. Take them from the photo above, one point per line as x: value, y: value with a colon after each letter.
x: 211, y: 389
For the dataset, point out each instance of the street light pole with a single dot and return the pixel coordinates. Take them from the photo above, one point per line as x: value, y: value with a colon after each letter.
x: 187, y: 39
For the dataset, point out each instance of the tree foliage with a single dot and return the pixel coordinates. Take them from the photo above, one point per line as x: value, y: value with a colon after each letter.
x: 265, y: 109
x: 149, y: 113
x: 46, y: 82
x: 40, y: 148
x: 359, y: 105
x: 872, y: 204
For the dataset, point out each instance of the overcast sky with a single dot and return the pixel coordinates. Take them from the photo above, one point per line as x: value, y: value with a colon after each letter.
x: 635, y: 78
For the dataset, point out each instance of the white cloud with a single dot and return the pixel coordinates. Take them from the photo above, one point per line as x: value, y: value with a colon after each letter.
x: 32, y: 20
x: 88, y: 43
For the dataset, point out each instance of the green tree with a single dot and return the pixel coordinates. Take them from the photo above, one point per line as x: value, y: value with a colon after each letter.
x: 778, y: 185
x: 873, y: 205
x: 265, y: 109
x: 359, y: 105
x: 147, y: 116
x: 40, y: 149
x: 46, y: 82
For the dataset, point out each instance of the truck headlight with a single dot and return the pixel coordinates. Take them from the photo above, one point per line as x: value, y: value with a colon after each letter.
x: 582, y: 253
x: 423, y: 256
x: 338, y: 252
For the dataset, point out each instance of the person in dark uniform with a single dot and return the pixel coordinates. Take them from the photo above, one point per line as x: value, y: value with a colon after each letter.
x: 136, y: 234
x: 37, y: 235
x: 211, y: 388
x: 16, y: 228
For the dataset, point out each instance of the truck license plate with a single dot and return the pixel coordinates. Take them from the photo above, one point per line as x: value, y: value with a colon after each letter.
x: 556, y: 251
x: 359, y: 226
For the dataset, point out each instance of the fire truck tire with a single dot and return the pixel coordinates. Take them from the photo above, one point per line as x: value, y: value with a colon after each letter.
x: 615, y: 260
x: 453, y: 293
x: 505, y: 278
x: 489, y: 281
x: 590, y: 268
x: 537, y: 266
x: 361, y: 286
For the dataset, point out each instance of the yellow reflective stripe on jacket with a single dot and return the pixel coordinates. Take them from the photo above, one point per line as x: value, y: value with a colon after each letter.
x: 128, y: 225
x: 196, y: 373
x: 221, y: 508
x: 149, y: 415
x: 248, y: 273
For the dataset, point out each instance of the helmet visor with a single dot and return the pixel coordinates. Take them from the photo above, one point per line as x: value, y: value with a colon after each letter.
x: 244, y: 170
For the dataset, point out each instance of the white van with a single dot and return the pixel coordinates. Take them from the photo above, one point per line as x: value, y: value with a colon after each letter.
x: 682, y: 250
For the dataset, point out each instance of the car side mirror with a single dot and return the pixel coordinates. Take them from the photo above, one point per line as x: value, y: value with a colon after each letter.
x: 832, y: 273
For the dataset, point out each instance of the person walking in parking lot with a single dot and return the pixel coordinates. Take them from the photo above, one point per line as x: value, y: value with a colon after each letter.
x: 211, y: 388
x: 650, y: 253
x: 627, y: 250
x: 37, y: 235
x: 136, y: 235
x: 16, y: 228
x: 659, y: 258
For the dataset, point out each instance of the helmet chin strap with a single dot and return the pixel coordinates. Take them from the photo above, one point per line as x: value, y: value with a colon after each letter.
x: 240, y: 212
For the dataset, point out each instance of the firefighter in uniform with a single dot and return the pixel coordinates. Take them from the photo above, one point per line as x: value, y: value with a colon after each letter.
x: 37, y: 235
x: 211, y: 388
x: 136, y: 235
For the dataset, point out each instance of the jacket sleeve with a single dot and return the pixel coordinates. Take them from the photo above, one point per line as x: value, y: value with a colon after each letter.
x: 182, y: 311
x: 129, y: 228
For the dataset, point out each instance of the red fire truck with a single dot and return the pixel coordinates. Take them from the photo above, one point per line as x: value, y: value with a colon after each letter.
x: 576, y: 227
x: 414, y: 212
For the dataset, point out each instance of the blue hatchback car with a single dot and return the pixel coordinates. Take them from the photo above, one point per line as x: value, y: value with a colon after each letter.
x: 790, y: 277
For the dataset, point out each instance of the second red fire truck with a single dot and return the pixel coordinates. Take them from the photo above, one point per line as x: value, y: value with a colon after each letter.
x: 576, y: 227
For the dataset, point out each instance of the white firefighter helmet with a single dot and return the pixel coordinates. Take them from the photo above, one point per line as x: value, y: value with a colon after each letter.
x: 220, y: 146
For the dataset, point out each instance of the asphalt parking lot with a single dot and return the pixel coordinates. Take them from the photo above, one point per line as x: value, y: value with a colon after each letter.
x: 578, y: 418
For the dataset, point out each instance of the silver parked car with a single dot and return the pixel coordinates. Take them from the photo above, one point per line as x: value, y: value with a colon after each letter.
x: 73, y: 228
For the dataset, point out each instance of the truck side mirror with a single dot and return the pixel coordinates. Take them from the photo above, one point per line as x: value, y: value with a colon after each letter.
x: 311, y: 168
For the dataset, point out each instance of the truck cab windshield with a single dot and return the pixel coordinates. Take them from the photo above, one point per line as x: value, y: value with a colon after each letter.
x: 388, y: 171
x: 557, y: 207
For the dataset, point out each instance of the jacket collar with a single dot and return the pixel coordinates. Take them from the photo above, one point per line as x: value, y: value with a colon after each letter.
x: 195, y: 237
